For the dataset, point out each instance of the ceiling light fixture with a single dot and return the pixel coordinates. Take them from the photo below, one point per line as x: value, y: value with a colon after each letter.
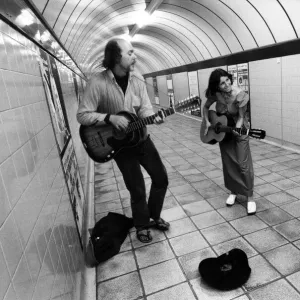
x: 142, y: 19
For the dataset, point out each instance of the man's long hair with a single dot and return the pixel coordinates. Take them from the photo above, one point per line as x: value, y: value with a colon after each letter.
x: 112, y: 54
x: 214, y: 81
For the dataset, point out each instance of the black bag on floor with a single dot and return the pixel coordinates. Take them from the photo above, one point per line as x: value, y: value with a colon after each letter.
x: 226, y: 272
x: 107, y: 237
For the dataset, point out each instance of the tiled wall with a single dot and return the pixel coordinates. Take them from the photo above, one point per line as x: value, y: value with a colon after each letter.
x: 291, y: 99
x: 40, y: 254
x: 180, y: 86
x: 150, y: 90
x: 275, y: 98
x: 265, y: 95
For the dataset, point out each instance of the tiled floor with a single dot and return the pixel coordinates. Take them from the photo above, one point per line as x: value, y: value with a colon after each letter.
x: 202, y: 226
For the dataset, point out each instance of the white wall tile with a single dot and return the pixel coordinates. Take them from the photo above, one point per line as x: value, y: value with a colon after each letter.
x: 4, y: 149
x: 5, y: 277
x: 11, y: 89
x: 11, y: 294
x: 11, y: 182
x: 4, y: 101
x: 8, y: 43
x: 3, y: 54
x: 33, y: 258
x: 11, y: 244
x: 4, y: 203
x: 22, y: 280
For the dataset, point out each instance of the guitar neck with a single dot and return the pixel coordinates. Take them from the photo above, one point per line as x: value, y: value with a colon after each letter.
x: 223, y: 128
x: 148, y: 120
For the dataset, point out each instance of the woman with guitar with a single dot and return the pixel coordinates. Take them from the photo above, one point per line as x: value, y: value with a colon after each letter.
x: 119, y: 88
x: 235, y: 149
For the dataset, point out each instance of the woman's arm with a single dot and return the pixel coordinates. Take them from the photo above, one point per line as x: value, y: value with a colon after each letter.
x: 240, y: 120
x: 207, y: 105
x: 209, y: 102
x: 242, y: 100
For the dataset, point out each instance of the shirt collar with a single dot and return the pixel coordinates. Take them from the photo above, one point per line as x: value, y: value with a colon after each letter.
x: 112, y: 77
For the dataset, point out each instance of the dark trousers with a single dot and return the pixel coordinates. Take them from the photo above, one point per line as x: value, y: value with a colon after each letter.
x: 129, y: 161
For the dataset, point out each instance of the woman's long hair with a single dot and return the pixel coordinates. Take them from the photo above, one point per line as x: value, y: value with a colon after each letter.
x: 214, y: 81
x: 112, y: 54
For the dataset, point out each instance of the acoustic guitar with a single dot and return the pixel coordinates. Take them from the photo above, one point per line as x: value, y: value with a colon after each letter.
x: 103, y: 142
x: 216, y: 132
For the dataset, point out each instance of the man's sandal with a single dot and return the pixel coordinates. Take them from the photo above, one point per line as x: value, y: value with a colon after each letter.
x: 161, y: 224
x: 144, y: 235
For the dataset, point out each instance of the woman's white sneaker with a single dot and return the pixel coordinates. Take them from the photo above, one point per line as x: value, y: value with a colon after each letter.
x: 251, y: 208
x: 231, y: 200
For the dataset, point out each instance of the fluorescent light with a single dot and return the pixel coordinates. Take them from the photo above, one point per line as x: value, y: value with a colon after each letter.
x: 25, y: 18
x: 142, y: 18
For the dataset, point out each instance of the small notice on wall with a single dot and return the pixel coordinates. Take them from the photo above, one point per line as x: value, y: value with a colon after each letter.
x: 243, y: 77
x: 193, y: 83
x: 156, y: 97
x: 233, y: 71
x: 170, y: 90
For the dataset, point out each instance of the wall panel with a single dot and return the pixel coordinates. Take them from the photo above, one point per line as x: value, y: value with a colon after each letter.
x: 163, y: 91
x: 181, y: 86
x: 40, y: 253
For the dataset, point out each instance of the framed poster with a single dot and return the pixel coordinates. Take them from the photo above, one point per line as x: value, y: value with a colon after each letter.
x: 233, y: 71
x: 243, y: 77
x: 55, y: 101
x: 54, y: 95
x: 193, y: 83
x: 156, y: 96
x: 170, y: 90
x: 72, y: 176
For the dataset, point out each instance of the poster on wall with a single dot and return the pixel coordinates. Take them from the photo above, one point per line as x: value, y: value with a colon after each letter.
x: 233, y: 71
x: 71, y: 170
x: 62, y: 134
x: 193, y: 83
x: 54, y: 97
x: 156, y: 97
x: 243, y: 77
x: 170, y: 90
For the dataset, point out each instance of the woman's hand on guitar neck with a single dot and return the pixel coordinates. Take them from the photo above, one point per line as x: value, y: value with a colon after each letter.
x: 119, y: 122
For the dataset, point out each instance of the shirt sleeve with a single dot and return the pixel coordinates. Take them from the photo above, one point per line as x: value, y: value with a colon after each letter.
x: 87, y: 111
x: 146, y: 108
x: 242, y: 99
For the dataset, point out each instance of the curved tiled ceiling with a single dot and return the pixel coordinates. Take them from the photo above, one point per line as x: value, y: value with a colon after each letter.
x: 181, y: 31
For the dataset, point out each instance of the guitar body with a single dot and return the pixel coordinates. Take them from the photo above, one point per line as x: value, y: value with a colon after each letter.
x: 103, y: 142
x: 212, y: 137
x: 216, y: 132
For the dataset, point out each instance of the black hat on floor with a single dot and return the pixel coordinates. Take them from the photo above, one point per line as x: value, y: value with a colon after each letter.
x: 227, y: 271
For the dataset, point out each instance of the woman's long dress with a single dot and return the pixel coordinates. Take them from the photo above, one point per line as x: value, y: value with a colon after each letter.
x: 235, y: 150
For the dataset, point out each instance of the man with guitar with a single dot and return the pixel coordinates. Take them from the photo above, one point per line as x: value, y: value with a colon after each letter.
x: 120, y: 88
x: 235, y: 149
